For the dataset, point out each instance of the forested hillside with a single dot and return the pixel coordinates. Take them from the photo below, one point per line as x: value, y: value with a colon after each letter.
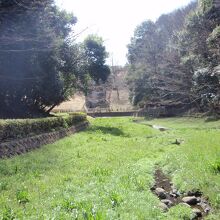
x: 175, y: 60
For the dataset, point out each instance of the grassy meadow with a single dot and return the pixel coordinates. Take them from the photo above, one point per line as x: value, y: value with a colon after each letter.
x: 106, y: 171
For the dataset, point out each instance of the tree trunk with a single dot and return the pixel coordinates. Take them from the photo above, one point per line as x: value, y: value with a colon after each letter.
x: 51, y: 108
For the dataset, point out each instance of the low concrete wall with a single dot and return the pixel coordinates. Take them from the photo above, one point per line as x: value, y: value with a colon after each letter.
x: 111, y: 114
x: 16, y: 147
x: 150, y: 112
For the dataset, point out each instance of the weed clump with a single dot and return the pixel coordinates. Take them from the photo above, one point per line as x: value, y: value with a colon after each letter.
x: 22, y: 196
x: 216, y: 167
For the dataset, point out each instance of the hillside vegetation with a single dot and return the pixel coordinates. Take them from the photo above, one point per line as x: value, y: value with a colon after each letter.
x: 175, y: 60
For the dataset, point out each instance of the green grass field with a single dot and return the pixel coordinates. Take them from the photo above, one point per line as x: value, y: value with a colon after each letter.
x: 106, y: 172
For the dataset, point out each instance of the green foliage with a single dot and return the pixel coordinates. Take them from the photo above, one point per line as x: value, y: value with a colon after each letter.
x: 206, y: 5
x: 200, y: 41
x: 213, y: 42
x: 7, y: 213
x: 214, y: 36
x: 195, y: 159
x: 3, y: 186
x: 41, y: 65
x: 95, y: 54
x: 167, y: 59
x: 20, y: 128
x: 215, y: 166
x: 115, y: 199
x: 180, y: 212
x: 207, y: 87
x: 81, y: 210
x: 35, y: 74
x: 69, y: 205
x: 22, y: 196
x: 112, y: 177
x: 155, y: 73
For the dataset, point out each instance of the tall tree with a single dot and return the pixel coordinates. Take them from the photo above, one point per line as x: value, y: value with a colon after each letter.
x: 95, y: 54
x: 187, y: 51
x: 155, y: 71
x: 41, y: 65
x: 33, y: 37
x: 200, y: 42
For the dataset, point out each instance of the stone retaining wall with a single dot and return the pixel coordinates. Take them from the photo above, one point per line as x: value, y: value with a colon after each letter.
x: 16, y: 147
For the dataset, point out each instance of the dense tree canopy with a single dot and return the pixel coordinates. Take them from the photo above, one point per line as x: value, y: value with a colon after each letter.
x: 154, y: 59
x: 41, y: 65
x: 174, y: 59
x: 96, y: 56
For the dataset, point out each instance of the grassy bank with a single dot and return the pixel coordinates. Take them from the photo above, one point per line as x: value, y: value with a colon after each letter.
x: 106, y: 172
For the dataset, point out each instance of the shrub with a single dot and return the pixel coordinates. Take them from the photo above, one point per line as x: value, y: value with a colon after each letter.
x: 20, y: 128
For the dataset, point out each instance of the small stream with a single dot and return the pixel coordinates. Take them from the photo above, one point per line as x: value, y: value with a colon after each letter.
x: 170, y: 196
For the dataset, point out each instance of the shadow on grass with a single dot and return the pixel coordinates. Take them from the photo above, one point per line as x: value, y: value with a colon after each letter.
x: 108, y: 130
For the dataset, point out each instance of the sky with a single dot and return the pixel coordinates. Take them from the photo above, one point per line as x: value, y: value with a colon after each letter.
x: 116, y: 20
